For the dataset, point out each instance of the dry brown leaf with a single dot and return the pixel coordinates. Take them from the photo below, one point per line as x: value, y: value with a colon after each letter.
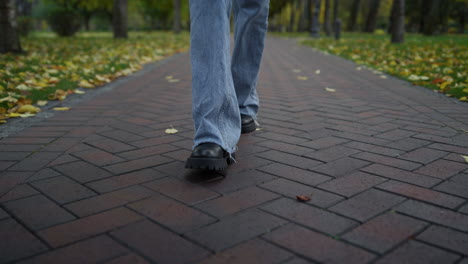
x: 303, y: 198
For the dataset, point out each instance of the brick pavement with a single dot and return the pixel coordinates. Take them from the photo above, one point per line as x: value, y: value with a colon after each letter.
x: 379, y: 158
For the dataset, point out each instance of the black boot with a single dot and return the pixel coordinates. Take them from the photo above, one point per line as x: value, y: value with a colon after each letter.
x: 209, y: 156
x: 248, y: 124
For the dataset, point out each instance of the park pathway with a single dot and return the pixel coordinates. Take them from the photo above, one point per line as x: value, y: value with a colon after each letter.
x: 379, y: 158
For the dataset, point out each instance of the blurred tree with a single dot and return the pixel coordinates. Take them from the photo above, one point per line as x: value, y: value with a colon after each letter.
x: 177, y: 17
x: 9, y: 40
x: 120, y: 19
x: 352, y: 26
x: 315, y: 27
x: 429, y: 16
x: 398, y: 21
x: 327, y: 22
x: 371, y: 20
x: 292, y: 21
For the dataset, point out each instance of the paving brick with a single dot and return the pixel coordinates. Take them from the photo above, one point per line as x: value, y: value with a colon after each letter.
x: 17, y: 242
x: 352, y: 184
x: 442, y: 169
x: 396, y: 134
x: 110, y: 145
x: 294, y: 174
x: 43, y: 174
x: 289, y: 159
x: 367, y: 204
x: 332, y: 153
x: 26, y: 140
x: 386, y: 151
x: 93, y: 250
x: 446, y: 238
x: 158, y: 244
x: 389, y: 161
x: 38, y: 212
x: 8, y: 180
x: 341, y: 167
x: 248, y: 163
x: 122, y: 136
x: 309, y: 216
x: 422, y: 194
x: 62, y: 144
x: 236, y: 181
x: 172, y: 214
x: 453, y: 187
x: 181, y: 154
x: 156, y: 141
x: 82, y: 172
x: 284, y: 147
x: 62, y: 189
x: 138, y: 164
x: 109, y: 200
x: 19, y: 147
x: 236, y: 201
x: 248, y: 225
x: 414, y: 252
x: 87, y: 227
x: 423, y: 155
x: 292, y: 189
x: 3, y: 214
x: 125, y: 180
x: 281, y: 137
x: 63, y: 159
x: 316, y: 246
x: 4, y: 165
x: 384, y: 232
x: 130, y: 258
x: 401, y: 175
x: 408, y: 144
x: 35, y: 161
x: 297, y: 261
x: 449, y: 148
x: 434, y: 214
x: 97, y: 157
x: 255, y: 252
x: 323, y: 143
x: 13, y: 156
x: 182, y: 190
x: 18, y: 192
x: 361, y: 138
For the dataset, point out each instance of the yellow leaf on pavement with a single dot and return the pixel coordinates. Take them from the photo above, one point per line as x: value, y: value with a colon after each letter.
x: 317, y: 72
x: 42, y: 102
x: 171, y: 130
x: 302, y: 78
x: 466, y: 158
x: 173, y: 80
x: 61, y: 108
x: 330, y: 90
x: 79, y: 91
x: 28, y: 109
x: 169, y: 77
x: 86, y: 84
x: 26, y: 115
x: 14, y: 115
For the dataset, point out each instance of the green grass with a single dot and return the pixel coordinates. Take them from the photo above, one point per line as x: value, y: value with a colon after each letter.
x: 438, y: 63
x: 88, y: 60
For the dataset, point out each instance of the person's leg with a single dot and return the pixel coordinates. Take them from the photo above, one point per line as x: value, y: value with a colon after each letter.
x: 214, y: 104
x: 251, y: 22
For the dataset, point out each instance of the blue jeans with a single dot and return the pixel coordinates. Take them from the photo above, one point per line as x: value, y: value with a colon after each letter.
x: 223, y: 87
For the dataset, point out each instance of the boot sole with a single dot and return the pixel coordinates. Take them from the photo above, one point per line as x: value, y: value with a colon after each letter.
x: 249, y: 128
x: 207, y: 164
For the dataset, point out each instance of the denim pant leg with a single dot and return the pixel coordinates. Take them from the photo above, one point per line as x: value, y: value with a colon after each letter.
x: 251, y: 23
x: 214, y: 104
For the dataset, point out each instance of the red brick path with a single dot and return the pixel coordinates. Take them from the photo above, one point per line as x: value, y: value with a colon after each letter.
x: 380, y: 159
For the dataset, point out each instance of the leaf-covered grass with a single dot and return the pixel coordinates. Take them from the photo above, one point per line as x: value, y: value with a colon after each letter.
x: 439, y: 63
x: 53, y: 67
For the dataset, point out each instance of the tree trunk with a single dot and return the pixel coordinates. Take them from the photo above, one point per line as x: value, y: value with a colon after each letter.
x: 371, y: 21
x: 354, y: 14
x: 9, y: 40
x: 398, y: 21
x: 429, y: 24
x: 315, y: 27
x: 328, y: 26
x: 463, y: 13
x: 177, y: 22
x: 305, y: 15
x: 336, y: 8
x: 392, y: 18
x: 120, y: 19
x: 292, y: 21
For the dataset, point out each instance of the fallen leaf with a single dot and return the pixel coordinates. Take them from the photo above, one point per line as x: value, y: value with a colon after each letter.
x: 258, y: 129
x: 302, y: 78
x: 383, y: 76
x: 26, y: 115
x: 330, y: 90
x: 86, y: 84
x: 466, y: 158
x: 296, y: 70
x: 42, y: 102
x: 169, y: 77
x: 317, y: 72
x: 14, y: 115
x: 303, y: 198
x: 61, y: 108
x: 173, y: 80
x: 79, y: 91
x: 28, y: 109
x: 171, y: 130
x: 3, y: 121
